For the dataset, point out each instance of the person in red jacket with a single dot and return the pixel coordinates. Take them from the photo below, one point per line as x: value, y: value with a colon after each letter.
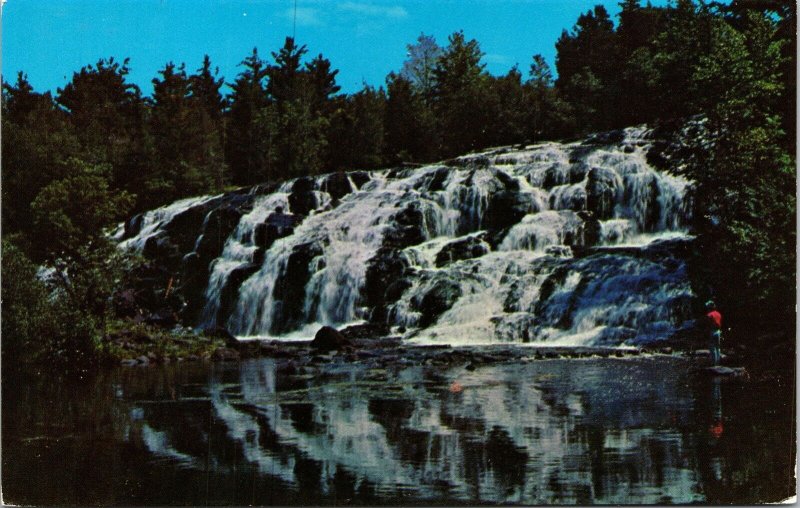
x: 714, y: 325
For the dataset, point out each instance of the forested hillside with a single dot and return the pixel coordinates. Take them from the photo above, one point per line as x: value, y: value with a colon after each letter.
x: 78, y: 160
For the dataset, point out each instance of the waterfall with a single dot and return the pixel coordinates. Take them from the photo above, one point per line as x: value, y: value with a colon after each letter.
x: 570, y: 244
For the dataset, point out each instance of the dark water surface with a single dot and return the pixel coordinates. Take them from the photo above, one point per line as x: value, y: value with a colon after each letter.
x: 624, y: 430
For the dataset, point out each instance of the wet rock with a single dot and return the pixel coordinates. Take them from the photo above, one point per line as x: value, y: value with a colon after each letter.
x: 359, y: 178
x: 590, y: 232
x: 467, y: 248
x: 133, y: 226
x: 230, y: 290
x: 433, y: 181
x: 601, y: 191
x: 337, y: 185
x: 365, y: 331
x: 302, y: 199
x: 290, y: 287
x: 384, y: 269
x: 577, y: 172
x: 219, y: 224
x: 507, y: 208
x: 439, y: 298
x: 555, y: 175
x: 408, y: 228
x: 509, y: 183
x: 329, y: 339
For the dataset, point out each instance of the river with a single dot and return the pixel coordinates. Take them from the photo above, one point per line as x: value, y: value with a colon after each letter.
x: 640, y: 429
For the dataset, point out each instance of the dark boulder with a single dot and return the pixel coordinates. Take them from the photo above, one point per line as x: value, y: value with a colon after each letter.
x: 302, y: 200
x: 230, y: 291
x: 577, y: 172
x: 433, y: 181
x: 290, y: 288
x: 359, y: 178
x: 601, y: 192
x: 466, y: 248
x: 439, y: 298
x: 555, y: 175
x: 507, y: 208
x: 408, y: 228
x: 383, y: 282
x: 509, y: 183
x: 218, y: 226
x: 591, y: 230
x: 186, y: 226
x: 337, y: 185
x: 133, y: 226
x: 328, y: 339
x: 574, y: 199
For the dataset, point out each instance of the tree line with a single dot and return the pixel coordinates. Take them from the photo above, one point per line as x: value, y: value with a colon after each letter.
x: 76, y: 161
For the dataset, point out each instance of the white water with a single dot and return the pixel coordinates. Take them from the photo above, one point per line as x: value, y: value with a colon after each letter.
x: 603, y: 299
x: 153, y: 220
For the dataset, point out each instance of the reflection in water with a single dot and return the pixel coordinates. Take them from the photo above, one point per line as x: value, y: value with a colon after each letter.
x: 639, y: 430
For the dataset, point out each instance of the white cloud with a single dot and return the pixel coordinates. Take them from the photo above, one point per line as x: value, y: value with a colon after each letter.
x: 385, y: 11
x: 306, y: 16
x: 495, y: 58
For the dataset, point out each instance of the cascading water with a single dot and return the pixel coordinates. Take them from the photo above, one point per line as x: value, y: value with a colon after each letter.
x: 570, y: 244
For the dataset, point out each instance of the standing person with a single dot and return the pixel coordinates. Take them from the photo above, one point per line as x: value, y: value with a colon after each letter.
x: 714, y: 324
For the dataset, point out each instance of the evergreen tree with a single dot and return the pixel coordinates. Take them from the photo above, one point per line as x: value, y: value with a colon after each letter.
x: 678, y: 48
x: 188, y: 154
x: 409, y: 126
x: 245, y: 138
x: 108, y: 115
x: 545, y: 114
x: 506, y: 109
x: 37, y: 140
x: 208, y: 106
x: 285, y: 75
x: 320, y: 83
x: 588, y: 70
x: 460, y: 95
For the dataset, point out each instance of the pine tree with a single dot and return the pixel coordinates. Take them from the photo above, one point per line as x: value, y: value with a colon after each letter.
x: 37, y: 141
x: 245, y: 138
x: 459, y: 96
x: 108, y: 115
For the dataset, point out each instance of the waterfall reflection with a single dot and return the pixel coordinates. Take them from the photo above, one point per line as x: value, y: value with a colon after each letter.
x: 538, y: 432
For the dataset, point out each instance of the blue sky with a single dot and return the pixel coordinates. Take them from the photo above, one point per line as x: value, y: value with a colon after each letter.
x: 364, y: 39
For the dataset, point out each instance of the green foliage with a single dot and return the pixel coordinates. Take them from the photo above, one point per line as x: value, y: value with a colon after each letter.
x: 460, y: 94
x: 745, y: 183
x: 244, y: 149
x: 108, y: 116
x: 59, y: 323
x: 25, y: 310
x: 37, y: 140
x: 70, y: 212
x: 187, y: 142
